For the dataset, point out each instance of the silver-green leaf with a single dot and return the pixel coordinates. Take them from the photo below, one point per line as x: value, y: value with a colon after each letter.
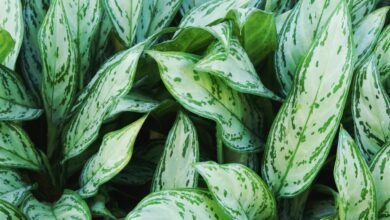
x: 12, y: 187
x: 8, y: 211
x: 303, y: 131
x: 360, y: 9
x: 6, y: 44
x: 382, y: 53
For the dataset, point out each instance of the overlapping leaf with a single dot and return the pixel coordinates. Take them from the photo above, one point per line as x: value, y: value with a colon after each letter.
x: 8, y: 211
x: 370, y: 106
x: 301, y: 28
x: 137, y: 172
x: 235, y: 68
x: 354, y: 181
x: 113, y: 80
x: 187, y: 5
x: 12, y: 187
x: 176, y: 167
x: 209, y: 97
x: 178, y: 204
x: 69, y: 206
x: 11, y: 20
x: 303, y: 130
x: 361, y: 8
x: 279, y: 6
x: 241, y: 193
x: 380, y: 169
x: 15, y: 101
x: 382, y: 52
x: 114, y: 154
x: 16, y: 149
x: 6, y: 44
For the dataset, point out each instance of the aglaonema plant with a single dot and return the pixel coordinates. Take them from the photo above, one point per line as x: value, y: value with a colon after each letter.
x: 194, y: 109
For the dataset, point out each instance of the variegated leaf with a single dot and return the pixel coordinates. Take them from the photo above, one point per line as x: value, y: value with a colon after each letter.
x: 69, y: 206
x: 114, y: 154
x: 301, y: 28
x: 137, y: 172
x: 6, y: 44
x: 234, y: 68
x: 58, y: 56
x: 382, y: 53
x: 101, y: 39
x: 12, y: 187
x: 8, y: 211
x: 380, y: 169
x: 125, y: 16
x: 366, y: 34
x: 155, y: 15
x: 31, y: 65
x: 16, y: 148
x: 361, y: 8
x: 113, y: 80
x: 99, y: 209
x: 188, y: 5
x: 280, y: 20
x: 303, y: 131
x: 83, y: 19
x: 257, y: 32
x: 357, y: 199
x: 279, y: 6
x: 11, y: 20
x: 15, y: 101
x: 370, y: 105
x: 209, y: 97
x: 238, y: 190
x: 176, y: 167
x: 178, y: 204
x: 293, y: 208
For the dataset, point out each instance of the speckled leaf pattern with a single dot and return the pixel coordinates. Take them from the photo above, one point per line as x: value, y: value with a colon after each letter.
x: 8, y: 211
x: 12, y: 187
x: 101, y: 39
x: 15, y: 101
x: 187, y: 5
x: 178, y: 204
x: 69, y: 206
x: 11, y: 20
x: 357, y: 199
x: 98, y: 207
x: 113, y: 80
x: 209, y: 97
x: 360, y: 9
x: 380, y: 169
x: 176, y: 167
x: 301, y: 28
x: 239, y: 190
x: 382, y: 53
x: 6, y: 44
x: 125, y: 17
x: 279, y: 6
x: 366, y: 34
x: 370, y: 105
x: 114, y: 154
x: 234, y: 68
x: 303, y: 130
x: 58, y: 56
x: 31, y: 65
x: 16, y: 148
x: 155, y: 15
x: 83, y: 19
x: 280, y: 20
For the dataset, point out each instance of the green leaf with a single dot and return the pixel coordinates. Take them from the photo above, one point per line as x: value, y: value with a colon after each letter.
x: 58, y: 56
x: 83, y: 19
x: 296, y: 37
x: 16, y: 148
x: 8, y: 211
x: 257, y: 32
x: 12, y: 187
x: 99, y: 209
x: 302, y: 132
x: 125, y: 17
x: 279, y: 6
x: 112, y: 81
x: 320, y: 209
x: 366, y: 34
x: 101, y: 40
x: 155, y: 15
x: 360, y: 9
x: 281, y: 19
x: 238, y: 190
x: 137, y: 172
x: 176, y: 167
x: 31, y: 64
x: 380, y: 169
x: 234, y: 68
x: 209, y: 97
x: 15, y: 101
x: 187, y: 5
x: 11, y: 20
x: 382, y: 52
x: 293, y: 208
x: 357, y: 199
x: 114, y: 154
x: 370, y: 105
x: 178, y: 204
x: 69, y: 206
x: 6, y: 44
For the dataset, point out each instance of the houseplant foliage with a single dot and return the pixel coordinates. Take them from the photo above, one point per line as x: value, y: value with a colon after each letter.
x: 194, y: 109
